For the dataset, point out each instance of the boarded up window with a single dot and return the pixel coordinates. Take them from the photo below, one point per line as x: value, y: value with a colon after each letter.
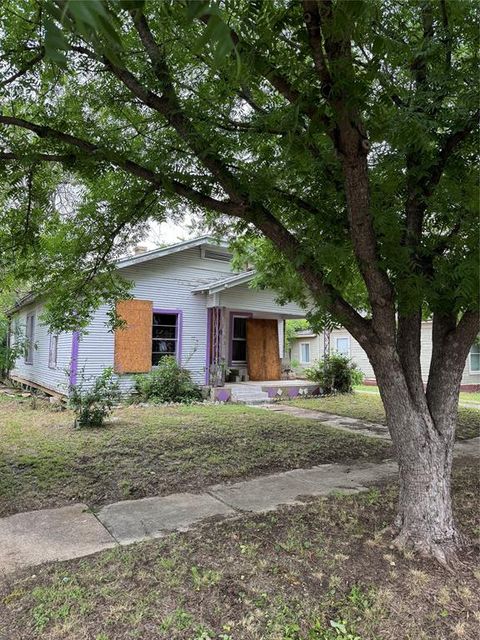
x: 263, y: 352
x: 133, y: 343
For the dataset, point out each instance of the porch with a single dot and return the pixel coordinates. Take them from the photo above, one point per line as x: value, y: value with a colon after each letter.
x: 246, y: 336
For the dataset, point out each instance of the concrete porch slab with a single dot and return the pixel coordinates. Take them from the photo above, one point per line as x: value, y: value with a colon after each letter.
x: 134, y: 520
x: 35, y: 537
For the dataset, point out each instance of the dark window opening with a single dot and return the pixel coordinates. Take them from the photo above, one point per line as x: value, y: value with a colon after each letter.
x: 239, y: 339
x: 164, y: 336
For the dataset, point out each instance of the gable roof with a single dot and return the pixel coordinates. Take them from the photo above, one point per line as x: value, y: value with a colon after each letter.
x: 128, y: 261
x: 225, y: 283
x: 173, y: 248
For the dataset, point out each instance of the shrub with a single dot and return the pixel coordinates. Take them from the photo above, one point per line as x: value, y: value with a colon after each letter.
x: 335, y: 373
x: 92, y: 405
x: 167, y: 382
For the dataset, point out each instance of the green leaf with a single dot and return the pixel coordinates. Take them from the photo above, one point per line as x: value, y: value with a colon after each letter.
x: 55, y: 43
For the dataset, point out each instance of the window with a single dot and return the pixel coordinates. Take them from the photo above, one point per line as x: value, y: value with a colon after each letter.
x: 164, y: 336
x: 29, y: 339
x: 215, y: 254
x: 343, y: 346
x: 239, y: 339
x: 304, y: 352
x: 475, y: 358
x: 52, y: 351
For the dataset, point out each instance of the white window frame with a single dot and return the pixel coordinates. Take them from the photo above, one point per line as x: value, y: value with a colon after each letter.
x: 473, y: 371
x: 347, y: 338
x: 30, y: 338
x: 53, y: 351
x: 307, y: 344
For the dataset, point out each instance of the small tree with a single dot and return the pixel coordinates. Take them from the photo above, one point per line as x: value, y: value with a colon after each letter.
x: 93, y: 403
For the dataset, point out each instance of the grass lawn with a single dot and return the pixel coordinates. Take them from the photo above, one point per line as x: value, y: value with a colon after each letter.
x: 465, y: 396
x: 369, y: 407
x: 288, y: 575
x: 44, y: 462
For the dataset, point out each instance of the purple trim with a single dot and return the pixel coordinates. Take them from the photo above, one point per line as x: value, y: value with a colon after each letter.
x: 222, y: 395
x: 74, y: 358
x: 179, y: 314
x: 209, y: 345
x: 233, y: 314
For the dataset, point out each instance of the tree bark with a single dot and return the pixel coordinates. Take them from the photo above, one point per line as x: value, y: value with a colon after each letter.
x: 425, y: 520
x: 424, y: 450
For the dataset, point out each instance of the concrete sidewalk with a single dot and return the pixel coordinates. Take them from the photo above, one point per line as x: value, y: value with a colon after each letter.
x: 34, y: 537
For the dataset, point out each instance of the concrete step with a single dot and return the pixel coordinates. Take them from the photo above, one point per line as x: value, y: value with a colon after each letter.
x: 249, y: 394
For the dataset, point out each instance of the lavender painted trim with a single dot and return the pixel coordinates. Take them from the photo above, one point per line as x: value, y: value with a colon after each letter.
x: 222, y: 395
x: 74, y: 358
x: 233, y: 314
x: 179, y: 314
x: 209, y: 338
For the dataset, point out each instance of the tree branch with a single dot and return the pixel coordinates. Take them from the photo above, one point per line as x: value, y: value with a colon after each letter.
x: 352, y: 147
x: 96, y: 152
x: 311, y: 18
x: 448, y: 147
x: 24, y: 69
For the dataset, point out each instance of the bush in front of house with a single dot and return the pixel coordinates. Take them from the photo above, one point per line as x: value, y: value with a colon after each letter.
x: 335, y: 374
x: 92, y: 404
x: 167, y: 382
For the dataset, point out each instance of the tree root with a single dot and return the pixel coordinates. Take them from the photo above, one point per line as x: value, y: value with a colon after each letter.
x: 445, y: 552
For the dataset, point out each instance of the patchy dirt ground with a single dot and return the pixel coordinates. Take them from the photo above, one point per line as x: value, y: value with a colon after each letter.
x: 142, y: 452
x: 323, y: 571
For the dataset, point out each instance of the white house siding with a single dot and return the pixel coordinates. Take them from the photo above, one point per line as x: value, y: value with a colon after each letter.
x: 244, y: 298
x: 39, y: 372
x: 168, y: 282
x: 359, y: 356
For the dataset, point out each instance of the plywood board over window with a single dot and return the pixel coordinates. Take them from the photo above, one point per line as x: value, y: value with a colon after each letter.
x: 263, y: 352
x: 133, y: 342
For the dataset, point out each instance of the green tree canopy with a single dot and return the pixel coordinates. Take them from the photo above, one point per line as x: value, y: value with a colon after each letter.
x: 149, y: 116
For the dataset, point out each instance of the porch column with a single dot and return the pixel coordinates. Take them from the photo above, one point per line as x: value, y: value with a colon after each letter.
x: 214, y: 359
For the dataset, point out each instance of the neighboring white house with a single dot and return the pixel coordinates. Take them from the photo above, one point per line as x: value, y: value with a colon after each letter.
x: 187, y: 302
x: 308, y: 347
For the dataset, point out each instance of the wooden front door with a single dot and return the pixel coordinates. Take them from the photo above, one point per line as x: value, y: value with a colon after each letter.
x: 262, y: 349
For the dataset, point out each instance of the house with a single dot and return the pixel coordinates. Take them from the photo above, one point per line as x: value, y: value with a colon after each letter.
x: 186, y: 302
x: 307, y: 346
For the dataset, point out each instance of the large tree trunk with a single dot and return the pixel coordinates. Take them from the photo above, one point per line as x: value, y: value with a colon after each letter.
x: 424, y: 450
x: 425, y: 520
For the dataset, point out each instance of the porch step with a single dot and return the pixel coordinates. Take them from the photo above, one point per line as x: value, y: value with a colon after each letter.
x: 249, y: 394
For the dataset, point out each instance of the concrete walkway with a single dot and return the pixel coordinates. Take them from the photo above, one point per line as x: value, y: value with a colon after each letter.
x: 34, y: 537
x: 352, y: 425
